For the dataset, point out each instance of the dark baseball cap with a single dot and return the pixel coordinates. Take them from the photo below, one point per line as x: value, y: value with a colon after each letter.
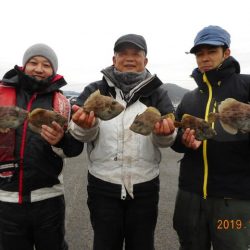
x: 211, y: 35
x: 137, y: 40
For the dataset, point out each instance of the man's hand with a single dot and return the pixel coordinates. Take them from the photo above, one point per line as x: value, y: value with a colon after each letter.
x: 188, y: 139
x: 164, y: 127
x: 83, y: 119
x: 4, y: 130
x: 52, y: 134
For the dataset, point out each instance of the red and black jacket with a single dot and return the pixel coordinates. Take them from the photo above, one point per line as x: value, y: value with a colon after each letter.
x: 37, y: 165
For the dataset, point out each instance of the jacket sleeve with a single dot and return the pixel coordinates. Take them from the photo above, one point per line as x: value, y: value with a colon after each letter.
x: 163, y: 141
x: 84, y: 135
x: 161, y: 100
x: 68, y: 146
x: 178, y: 146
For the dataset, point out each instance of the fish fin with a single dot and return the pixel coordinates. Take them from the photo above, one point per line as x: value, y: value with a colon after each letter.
x: 93, y: 96
x: 169, y: 115
x: 153, y: 110
x: 35, y: 111
x: 185, y: 115
x: 224, y: 104
x: 211, y: 117
x: 96, y: 93
x: 228, y: 128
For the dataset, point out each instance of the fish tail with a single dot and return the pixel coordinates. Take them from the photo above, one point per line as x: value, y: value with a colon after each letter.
x: 177, y: 124
x: 226, y: 103
x: 211, y: 117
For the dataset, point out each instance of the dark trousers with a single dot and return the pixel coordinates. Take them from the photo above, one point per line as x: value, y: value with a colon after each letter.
x: 39, y: 224
x: 116, y: 221
x: 218, y: 222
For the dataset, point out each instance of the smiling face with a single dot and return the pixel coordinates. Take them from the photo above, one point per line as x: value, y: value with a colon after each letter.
x: 130, y: 59
x: 39, y: 68
x: 210, y: 57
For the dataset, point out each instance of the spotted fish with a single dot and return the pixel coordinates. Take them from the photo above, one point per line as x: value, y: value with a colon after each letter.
x: 144, y: 123
x: 203, y: 129
x: 104, y: 107
x: 12, y: 116
x: 39, y: 117
x: 233, y: 115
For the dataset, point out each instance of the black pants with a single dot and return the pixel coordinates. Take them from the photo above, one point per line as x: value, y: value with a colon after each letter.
x: 115, y: 221
x: 39, y: 224
x: 221, y: 223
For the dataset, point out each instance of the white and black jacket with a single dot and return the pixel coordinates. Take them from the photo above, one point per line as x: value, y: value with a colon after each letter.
x: 119, y: 159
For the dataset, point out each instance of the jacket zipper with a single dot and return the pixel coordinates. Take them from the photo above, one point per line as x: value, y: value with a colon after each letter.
x: 25, y: 126
x: 204, y: 145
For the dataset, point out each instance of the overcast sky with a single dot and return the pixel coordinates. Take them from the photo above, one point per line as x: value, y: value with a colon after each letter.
x: 83, y: 33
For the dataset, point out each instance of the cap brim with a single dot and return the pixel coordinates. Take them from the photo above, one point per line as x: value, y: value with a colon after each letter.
x: 213, y: 43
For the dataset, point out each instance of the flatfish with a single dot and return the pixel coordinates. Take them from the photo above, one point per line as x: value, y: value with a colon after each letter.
x: 144, y: 123
x: 39, y: 117
x: 104, y: 107
x: 233, y: 115
x: 203, y: 129
x: 12, y: 117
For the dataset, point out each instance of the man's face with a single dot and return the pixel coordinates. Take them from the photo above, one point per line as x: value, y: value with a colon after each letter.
x: 39, y: 68
x: 210, y: 57
x: 130, y: 59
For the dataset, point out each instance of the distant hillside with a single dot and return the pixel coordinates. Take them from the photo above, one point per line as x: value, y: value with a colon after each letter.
x: 175, y: 92
x: 69, y: 93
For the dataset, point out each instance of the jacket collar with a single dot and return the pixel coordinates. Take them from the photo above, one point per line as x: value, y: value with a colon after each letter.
x: 216, y: 76
x: 143, y: 89
x: 12, y: 78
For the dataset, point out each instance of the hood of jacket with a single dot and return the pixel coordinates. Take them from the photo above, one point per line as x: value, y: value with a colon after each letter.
x: 16, y: 78
x: 216, y: 76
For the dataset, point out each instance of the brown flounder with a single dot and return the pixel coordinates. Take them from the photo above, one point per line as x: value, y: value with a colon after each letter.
x: 203, y: 129
x: 39, y: 117
x: 104, y: 107
x: 12, y: 116
x: 144, y: 123
x: 233, y: 115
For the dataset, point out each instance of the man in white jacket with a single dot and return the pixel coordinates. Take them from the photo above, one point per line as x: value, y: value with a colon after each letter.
x: 123, y: 179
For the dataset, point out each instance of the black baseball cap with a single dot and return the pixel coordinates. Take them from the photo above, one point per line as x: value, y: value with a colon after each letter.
x: 137, y: 40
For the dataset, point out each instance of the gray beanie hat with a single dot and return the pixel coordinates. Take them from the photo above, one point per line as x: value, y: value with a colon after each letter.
x: 44, y: 50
